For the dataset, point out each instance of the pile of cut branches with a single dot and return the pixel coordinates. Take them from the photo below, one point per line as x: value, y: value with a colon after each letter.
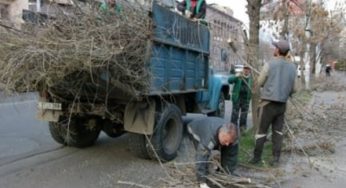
x: 184, y: 175
x: 78, y: 52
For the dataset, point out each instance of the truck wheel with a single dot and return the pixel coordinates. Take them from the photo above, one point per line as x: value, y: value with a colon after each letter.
x: 77, y: 134
x: 138, y: 145
x: 167, y: 135
x: 112, y: 129
x: 55, y: 132
x: 82, y: 134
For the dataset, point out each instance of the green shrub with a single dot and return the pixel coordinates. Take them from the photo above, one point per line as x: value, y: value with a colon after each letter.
x: 341, y: 65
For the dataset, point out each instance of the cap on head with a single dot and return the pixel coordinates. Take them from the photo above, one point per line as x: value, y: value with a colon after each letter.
x: 247, y: 67
x: 283, y: 46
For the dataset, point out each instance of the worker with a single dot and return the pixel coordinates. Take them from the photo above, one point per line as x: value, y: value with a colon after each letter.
x: 193, y: 9
x: 211, y: 133
x: 241, y: 97
x: 111, y: 6
x: 277, y: 80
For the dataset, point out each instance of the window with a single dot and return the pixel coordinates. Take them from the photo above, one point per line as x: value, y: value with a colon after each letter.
x: 32, y: 5
x: 3, y: 11
x: 224, y: 55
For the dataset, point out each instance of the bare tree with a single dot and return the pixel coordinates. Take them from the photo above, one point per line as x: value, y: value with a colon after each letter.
x: 322, y: 27
x: 253, y: 8
x: 253, y: 52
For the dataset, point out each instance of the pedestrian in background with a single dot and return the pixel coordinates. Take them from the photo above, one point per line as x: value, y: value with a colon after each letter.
x: 328, y: 70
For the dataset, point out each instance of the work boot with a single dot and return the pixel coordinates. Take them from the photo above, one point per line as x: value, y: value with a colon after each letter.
x: 255, y: 160
x: 275, y: 162
x: 258, y: 150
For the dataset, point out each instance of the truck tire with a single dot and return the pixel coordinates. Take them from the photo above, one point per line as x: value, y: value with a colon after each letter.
x: 168, y: 134
x: 112, y: 129
x: 55, y: 132
x: 77, y: 134
x: 80, y: 135
x: 137, y: 144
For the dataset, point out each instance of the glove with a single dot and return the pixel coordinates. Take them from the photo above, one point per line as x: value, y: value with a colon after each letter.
x: 203, y: 185
x: 188, y: 14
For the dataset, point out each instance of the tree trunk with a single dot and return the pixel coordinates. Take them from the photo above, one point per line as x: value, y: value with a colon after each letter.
x: 313, y: 58
x: 302, y: 68
x: 253, y: 53
x: 284, y: 32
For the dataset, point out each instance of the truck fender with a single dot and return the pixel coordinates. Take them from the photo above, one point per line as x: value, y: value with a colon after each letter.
x: 218, y: 88
x: 139, y: 117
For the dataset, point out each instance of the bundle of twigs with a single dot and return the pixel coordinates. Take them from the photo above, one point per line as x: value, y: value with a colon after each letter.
x: 84, y: 48
x: 184, y: 175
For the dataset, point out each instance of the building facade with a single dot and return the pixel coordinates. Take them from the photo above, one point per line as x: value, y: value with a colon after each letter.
x: 227, y: 45
x: 224, y: 28
x: 11, y: 10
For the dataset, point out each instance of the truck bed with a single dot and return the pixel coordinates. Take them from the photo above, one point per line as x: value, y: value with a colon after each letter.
x: 178, y: 55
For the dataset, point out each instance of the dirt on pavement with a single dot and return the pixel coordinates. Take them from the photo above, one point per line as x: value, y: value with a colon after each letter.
x: 315, y: 143
x: 313, y: 154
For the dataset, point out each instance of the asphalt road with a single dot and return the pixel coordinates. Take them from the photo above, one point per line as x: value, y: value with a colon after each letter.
x: 30, y: 158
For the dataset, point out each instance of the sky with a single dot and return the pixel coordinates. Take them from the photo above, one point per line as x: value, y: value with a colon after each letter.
x: 331, y: 4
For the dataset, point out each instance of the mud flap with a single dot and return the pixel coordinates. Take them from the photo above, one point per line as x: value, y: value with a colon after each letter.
x: 140, y: 117
x: 48, y: 115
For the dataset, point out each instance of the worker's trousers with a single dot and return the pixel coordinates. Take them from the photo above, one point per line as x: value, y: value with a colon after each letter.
x: 270, y: 113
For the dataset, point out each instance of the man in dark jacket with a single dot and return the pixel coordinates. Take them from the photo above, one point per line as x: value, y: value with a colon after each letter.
x: 277, y: 80
x: 193, y: 9
x: 328, y: 69
x: 212, y: 133
x: 241, y: 96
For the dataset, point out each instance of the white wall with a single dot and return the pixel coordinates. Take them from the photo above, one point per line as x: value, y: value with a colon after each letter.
x: 15, y: 8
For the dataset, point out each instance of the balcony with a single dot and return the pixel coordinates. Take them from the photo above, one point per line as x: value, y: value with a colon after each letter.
x: 7, y: 2
x: 62, y: 2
